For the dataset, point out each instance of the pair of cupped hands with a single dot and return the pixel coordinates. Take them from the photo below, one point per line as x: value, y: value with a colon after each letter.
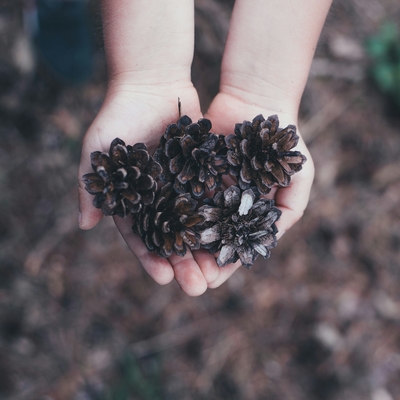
x: 140, y: 113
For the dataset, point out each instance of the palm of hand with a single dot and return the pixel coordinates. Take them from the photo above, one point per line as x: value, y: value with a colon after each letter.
x: 142, y: 117
x: 225, y: 111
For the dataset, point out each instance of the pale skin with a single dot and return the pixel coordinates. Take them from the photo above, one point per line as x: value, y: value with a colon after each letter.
x: 149, y: 47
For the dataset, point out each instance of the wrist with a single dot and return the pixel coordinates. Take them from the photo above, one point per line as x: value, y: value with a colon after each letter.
x: 241, y: 105
x: 148, y: 42
x: 133, y: 85
x: 126, y: 101
x: 150, y: 77
x: 253, y: 92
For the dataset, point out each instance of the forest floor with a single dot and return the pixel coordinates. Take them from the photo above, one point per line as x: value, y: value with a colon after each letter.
x: 320, y: 319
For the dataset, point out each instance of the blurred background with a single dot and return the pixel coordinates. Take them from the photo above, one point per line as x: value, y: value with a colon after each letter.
x: 81, y: 320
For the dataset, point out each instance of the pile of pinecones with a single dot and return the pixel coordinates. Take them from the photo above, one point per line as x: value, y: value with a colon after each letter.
x: 189, y: 161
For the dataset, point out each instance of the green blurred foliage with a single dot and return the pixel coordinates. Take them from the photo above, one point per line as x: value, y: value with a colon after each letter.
x: 384, y: 50
x: 135, y: 383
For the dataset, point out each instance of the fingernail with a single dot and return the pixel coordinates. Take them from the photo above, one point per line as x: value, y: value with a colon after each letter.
x: 80, y: 218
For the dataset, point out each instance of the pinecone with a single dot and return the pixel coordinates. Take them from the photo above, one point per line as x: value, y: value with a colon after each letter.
x: 168, y: 225
x: 191, y: 155
x: 259, y: 153
x: 240, y: 225
x: 124, y: 180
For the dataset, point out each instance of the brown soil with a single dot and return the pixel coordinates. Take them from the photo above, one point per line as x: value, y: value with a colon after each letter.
x: 80, y: 319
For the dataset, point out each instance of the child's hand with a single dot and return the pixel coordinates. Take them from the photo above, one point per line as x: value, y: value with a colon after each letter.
x: 142, y: 116
x: 227, y: 110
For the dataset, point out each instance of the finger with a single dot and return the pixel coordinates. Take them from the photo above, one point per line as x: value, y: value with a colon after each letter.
x: 188, y: 274
x: 271, y: 195
x: 224, y: 274
x: 207, y: 264
x: 293, y: 200
x: 89, y: 216
x: 228, y: 181
x: 157, y: 267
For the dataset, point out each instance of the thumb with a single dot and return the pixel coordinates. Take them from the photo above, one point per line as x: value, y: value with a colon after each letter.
x: 89, y: 216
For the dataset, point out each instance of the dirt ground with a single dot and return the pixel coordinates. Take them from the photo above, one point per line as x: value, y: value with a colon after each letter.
x: 81, y: 320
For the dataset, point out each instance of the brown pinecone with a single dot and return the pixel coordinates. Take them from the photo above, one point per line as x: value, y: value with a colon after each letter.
x: 239, y: 225
x: 259, y: 153
x: 168, y: 225
x: 124, y: 179
x: 192, y: 155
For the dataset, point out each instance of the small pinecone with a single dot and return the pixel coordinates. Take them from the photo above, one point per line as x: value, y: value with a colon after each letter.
x: 259, y: 153
x: 240, y: 225
x: 124, y: 180
x: 168, y: 225
x: 192, y: 155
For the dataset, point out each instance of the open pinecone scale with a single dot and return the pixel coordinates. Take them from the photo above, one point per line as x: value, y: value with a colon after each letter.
x: 260, y: 153
x: 166, y: 226
x: 166, y: 193
x: 192, y: 155
x: 241, y: 226
x: 124, y: 179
